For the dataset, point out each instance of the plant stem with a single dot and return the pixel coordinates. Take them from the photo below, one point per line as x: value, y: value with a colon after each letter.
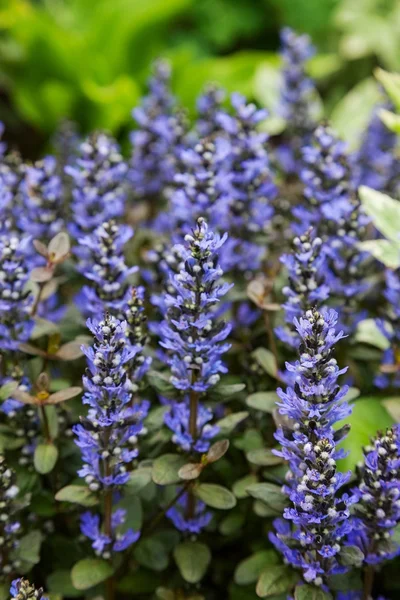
x: 193, y: 407
x: 271, y: 337
x: 108, y: 503
x: 37, y: 300
x: 369, y: 574
x: 46, y: 426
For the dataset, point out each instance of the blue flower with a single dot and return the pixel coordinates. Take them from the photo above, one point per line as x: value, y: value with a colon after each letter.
x: 15, y: 300
x: 108, y: 436
x: 103, y: 263
x: 99, y: 184
x: 21, y: 589
x: 378, y: 498
x: 158, y: 138
x: 319, y: 511
x: 194, y: 524
x: 389, y: 326
x: 10, y: 527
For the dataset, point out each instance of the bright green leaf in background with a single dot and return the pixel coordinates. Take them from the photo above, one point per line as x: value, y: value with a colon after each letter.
x: 368, y: 416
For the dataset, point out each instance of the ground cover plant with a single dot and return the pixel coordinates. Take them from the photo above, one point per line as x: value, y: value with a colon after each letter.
x: 200, y: 353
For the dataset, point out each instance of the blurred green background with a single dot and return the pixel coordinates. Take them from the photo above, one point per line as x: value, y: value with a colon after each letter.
x: 89, y: 59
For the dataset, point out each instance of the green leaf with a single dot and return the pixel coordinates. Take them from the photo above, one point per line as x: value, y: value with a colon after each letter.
x: 166, y: 468
x: 138, y: 480
x: 29, y: 547
x: 60, y: 583
x: 351, y: 115
x: 250, y: 569
x: 7, y: 389
x: 240, y: 486
x: 351, y: 556
x: 232, y: 523
x: 391, y: 120
x: 90, y: 572
x: 45, y: 458
x: 264, y: 457
x: 4, y: 591
x: 275, y: 580
x: 228, y: 424
x: 77, y: 494
x: 384, y: 212
x: 392, y: 405
x: 368, y: 416
x: 270, y: 494
x: 391, y: 83
x: 228, y: 390
x: 161, y: 383
x: 310, y: 592
x: 215, y: 496
x: 369, y: 333
x: 266, y: 360
x: 385, y: 251
x: 265, y: 401
x: 151, y: 553
x: 192, y: 559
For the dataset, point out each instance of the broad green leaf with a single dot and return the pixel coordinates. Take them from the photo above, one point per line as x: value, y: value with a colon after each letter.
x: 232, y: 523
x: 217, y: 451
x: 270, y: 494
x: 45, y: 458
x: 228, y: 424
x: 310, y: 592
x: 264, y: 457
x: 192, y: 559
x: 369, y: 333
x: 351, y: 556
x: 391, y: 120
x: 89, y: 572
x: 7, y: 389
x: 391, y: 83
x: 29, y: 547
x: 385, y: 251
x: 240, y: 486
x: 392, y: 405
x: 368, y: 416
x: 4, y: 591
x: 215, y: 495
x: 151, y: 553
x: 77, y: 494
x: 161, y: 383
x: 227, y: 390
x: 166, y: 469
x: 138, y: 479
x: 60, y: 583
x: 384, y: 212
x: 264, y: 401
x: 266, y: 360
x: 250, y: 569
x: 275, y: 580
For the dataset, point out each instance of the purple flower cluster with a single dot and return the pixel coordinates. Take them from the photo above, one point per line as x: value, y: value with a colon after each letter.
x: 307, y: 288
x: 378, y: 498
x: 158, y: 138
x: 99, y: 190
x: 377, y: 164
x: 390, y: 327
x: 10, y: 527
x: 334, y: 210
x: 190, y: 332
x: 315, y: 526
x: 42, y: 216
x: 296, y: 95
x: 107, y: 437
x: 248, y: 188
x: 12, y: 177
x: 209, y: 105
x: 21, y: 589
x: 15, y: 300
x: 103, y: 263
x: 194, y: 524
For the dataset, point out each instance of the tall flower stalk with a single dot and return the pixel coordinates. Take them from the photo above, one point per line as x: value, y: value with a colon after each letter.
x: 10, y: 527
x: 194, y: 340
x: 315, y: 525
x: 21, y: 589
x: 107, y: 437
x: 99, y: 184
